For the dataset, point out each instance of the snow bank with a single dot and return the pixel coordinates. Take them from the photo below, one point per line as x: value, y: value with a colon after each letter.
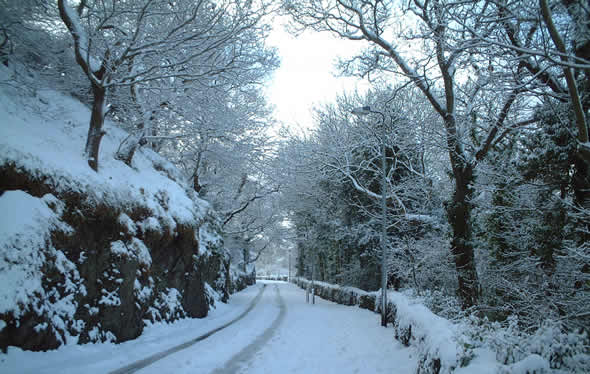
x: 433, y: 337
x: 105, y: 356
x: 443, y: 346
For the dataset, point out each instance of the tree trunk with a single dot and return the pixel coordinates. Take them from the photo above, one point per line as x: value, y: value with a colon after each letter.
x: 459, y: 215
x: 196, y: 184
x: 581, y: 183
x: 95, y: 131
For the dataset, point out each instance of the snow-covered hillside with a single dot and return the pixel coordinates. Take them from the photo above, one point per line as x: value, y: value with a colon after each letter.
x: 88, y: 256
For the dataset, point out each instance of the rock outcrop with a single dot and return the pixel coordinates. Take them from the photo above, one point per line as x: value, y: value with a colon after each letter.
x: 113, y: 265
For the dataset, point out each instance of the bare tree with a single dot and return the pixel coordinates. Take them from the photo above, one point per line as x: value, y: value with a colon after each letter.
x: 550, y: 57
x: 440, y: 49
x: 333, y: 187
x: 130, y: 43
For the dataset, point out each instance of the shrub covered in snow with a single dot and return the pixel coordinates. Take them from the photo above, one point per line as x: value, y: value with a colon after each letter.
x: 240, y: 279
x: 546, y: 349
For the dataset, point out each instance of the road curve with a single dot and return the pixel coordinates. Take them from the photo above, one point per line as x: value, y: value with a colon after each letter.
x: 137, y: 365
x: 239, y: 360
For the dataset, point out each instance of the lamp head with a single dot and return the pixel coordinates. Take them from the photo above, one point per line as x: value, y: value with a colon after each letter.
x: 362, y: 111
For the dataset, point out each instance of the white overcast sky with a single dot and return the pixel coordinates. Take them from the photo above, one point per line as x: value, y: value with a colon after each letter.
x: 306, y: 75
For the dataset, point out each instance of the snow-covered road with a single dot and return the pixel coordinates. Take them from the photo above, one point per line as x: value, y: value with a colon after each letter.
x: 282, y: 334
x: 221, y: 349
x: 295, y: 337
x: 329, y: 338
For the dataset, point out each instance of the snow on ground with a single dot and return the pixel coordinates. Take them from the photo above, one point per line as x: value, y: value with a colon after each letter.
x: 42, y: 135
x: 45, y: 135
x: 214, y: 352
x: 330, y: 338
x: 321, y: 338
x: 105, y: 357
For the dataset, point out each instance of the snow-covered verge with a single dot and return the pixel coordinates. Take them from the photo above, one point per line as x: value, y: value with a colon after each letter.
x: 282, y: 278
x: 89, y: 256
x: 470, y: 345
x: 105, y: 357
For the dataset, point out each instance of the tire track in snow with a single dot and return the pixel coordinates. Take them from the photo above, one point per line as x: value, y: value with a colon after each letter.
x: 238, y: 361
x: 137, y: 365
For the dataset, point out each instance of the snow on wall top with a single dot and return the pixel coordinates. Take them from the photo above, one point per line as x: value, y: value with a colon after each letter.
x: 436, y: 336
x: 45, y: 136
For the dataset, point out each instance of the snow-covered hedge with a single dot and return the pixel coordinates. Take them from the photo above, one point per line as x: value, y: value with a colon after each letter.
x: 283, y: 278
x: 470, y: 345
x: 414, y: 325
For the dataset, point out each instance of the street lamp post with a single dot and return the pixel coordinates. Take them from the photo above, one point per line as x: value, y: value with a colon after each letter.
x: 312, y: 279
x: 366, y: 110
